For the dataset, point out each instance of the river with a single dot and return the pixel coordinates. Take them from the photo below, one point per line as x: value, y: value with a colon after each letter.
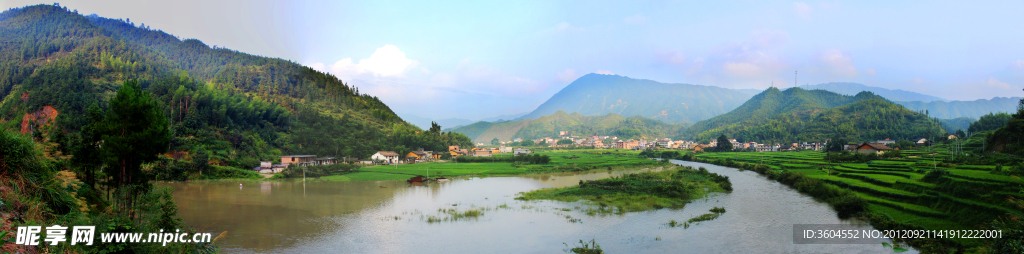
x: 390, y: 217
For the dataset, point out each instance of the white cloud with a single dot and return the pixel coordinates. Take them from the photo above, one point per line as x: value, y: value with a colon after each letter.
x: 993, y: 82
x: 870, y: 71
x: 802, y: 10
x: 741, y: 69
x: 635, y: 19
x: 604, y: 72
x: 835, y: 63
x: 386, y: 61
x: 671, y: 57
x: 569, y: 75
x: 1019, y: 64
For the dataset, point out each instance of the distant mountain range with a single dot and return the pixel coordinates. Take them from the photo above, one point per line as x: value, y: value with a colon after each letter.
x: 449, y: 123
x: 576, y: 123
x: 597, y: 94
x: 855, y: 88
x: 813, y: 116
x: 973, y: 109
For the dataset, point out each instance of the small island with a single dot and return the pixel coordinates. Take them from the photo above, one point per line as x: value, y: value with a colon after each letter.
x: 672, y: 187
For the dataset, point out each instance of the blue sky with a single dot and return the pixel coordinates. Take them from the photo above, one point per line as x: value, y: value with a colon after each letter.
x: 473, y: 59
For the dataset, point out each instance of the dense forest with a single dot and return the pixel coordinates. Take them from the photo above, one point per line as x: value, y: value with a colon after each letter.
x: 814, y: 116
x: 236, y: 107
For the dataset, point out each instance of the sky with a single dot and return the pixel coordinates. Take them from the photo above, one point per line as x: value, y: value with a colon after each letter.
x: 479, y: 59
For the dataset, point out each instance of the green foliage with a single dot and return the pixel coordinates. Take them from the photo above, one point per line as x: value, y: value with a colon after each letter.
x: 723, y: 144
x: 133, y: 131
x: 585, y: 248
x: 564, y: 142
x: 576, y: 123
x: 959, y: 123
x: 495, y: 141
x: 990, y: 122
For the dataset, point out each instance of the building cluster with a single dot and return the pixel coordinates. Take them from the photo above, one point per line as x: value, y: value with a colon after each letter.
x: 298, y: 160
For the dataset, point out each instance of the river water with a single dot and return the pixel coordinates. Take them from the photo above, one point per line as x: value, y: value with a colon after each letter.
x: 391, y: 217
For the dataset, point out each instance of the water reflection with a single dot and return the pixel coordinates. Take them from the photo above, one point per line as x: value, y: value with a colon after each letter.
x: 388, y: 217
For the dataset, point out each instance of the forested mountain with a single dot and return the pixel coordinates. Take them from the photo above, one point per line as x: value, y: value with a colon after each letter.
x: 973, y: 109
x: 241, y: 108
x: 577, y: 125
x: 814, y: 116
x: 597, y: 94
x: 855, y: 88
x: 959, y: 123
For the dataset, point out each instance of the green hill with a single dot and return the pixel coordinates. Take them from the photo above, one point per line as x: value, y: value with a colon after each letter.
x: 813, y: 116
x: 241, y: 108
x: 576, y: 123
x: 597, y: 95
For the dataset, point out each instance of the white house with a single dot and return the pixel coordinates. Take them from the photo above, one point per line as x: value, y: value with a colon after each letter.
x: 388, y: 157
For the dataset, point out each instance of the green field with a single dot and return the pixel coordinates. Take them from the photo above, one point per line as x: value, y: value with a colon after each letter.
x: 901, y: 190
x: 561, y: 161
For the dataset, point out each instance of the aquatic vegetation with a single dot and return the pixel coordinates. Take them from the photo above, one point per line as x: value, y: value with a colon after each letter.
x: 638, y: 191
x: 584, y: 248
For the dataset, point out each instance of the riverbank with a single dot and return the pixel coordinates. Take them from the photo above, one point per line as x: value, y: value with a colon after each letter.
x: 901, y: 193
x: 672, y: 187
x: 560, y: 161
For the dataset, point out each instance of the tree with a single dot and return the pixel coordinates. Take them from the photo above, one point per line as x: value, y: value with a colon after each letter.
x: 434, y: 127
x: 495, y: 141
x: 527, y: 142
x: 723, y: 144
x: 564, y: 142
x: 961, y: 134
x: 134, y: 131
x: 835, y: 145
x: 200, y: 160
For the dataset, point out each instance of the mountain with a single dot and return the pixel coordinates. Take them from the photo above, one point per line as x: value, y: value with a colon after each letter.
x: 973, y: 109
x: 855, y: 88
x: 576, y: 123
x: 450, y: 123
x: 240, y: 108
x: 814, y: 116
x: 959, y: 123
x: 597, y: 94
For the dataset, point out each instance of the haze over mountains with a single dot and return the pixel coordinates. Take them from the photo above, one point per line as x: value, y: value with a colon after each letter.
x: 598, y: 94
x: 601, y: 95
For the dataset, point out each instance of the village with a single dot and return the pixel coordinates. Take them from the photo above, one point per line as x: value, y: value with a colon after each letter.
x: 566, y: 140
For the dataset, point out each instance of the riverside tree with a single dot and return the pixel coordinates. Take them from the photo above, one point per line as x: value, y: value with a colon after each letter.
x: 723, y: 144
x: 134, y: 131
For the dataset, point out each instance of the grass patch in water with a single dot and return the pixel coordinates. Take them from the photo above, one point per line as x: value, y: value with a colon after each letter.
x: 454, y: 215
x: 639, y: 191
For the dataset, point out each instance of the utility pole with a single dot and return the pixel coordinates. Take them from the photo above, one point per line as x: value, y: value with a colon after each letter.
x: 795, y: 83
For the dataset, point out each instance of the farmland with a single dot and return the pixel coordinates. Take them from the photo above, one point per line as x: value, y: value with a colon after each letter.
x: 561, y: 161
x: 922, y: 190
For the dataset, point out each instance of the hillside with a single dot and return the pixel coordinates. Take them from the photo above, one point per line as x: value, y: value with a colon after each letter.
x: 973, y: 109
x: 576, y: 123
x: 239, y: 108
x: 596, y: 94
x: 813, y: 116
x: 855, y: 88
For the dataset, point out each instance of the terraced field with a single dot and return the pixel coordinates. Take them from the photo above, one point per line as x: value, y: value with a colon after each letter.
x: 903, y: 189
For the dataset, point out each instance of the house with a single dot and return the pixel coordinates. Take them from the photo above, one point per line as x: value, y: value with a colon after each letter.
x: 482, y: 153
x: 265, y: 165
x: 453, y: 148
x: 886, y: 142
x: 505, y: 149
x: 417, y: 156
x: 301, y: 160
x: 951, y: 136
x: 325, y: 161
x: 519, y: 151
x: 921, y: 141
x: 388, y: 157
x: 869, y: 148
